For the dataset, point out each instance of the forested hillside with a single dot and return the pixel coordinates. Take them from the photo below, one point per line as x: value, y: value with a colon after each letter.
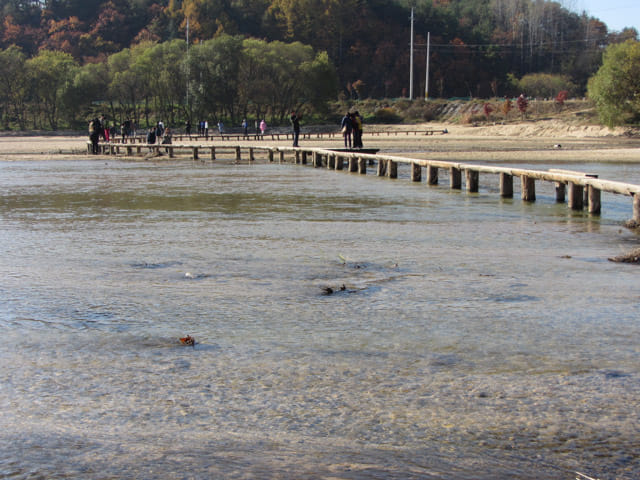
x: 477, y: 47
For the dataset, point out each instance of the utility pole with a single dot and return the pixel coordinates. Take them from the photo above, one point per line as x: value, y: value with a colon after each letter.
x: 188, y: 67
x: 411, y: 60
x: 426, y: 81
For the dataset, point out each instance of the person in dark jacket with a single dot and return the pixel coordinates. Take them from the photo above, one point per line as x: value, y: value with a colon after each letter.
x: 347, y: 129
x: 94, y: 135
x: 151, y: 137
x: 295, y: 123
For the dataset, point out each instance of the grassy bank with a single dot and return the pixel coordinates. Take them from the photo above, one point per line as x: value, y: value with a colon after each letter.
x: 466, y: 112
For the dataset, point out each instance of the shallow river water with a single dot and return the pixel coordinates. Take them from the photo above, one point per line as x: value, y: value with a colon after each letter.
x: 474, y: 338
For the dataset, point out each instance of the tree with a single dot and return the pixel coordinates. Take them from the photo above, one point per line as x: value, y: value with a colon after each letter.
x: 13, y: 86
x: 89, y: 86
x: 213, y: 66
x: 615, y: 88
x: 51, y: 74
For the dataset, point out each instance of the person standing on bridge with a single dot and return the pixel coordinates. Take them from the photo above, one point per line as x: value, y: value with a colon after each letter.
x: 347, y: 128
x: 357, y: 130
x: 295, y: 123
x: 263, y: 126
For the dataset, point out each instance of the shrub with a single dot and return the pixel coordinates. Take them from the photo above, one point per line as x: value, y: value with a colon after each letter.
x: 545, y: 85
x: 386, y: 115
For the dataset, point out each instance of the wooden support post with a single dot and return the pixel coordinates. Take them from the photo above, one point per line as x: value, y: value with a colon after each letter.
x: 392, y: 169
x: 315, y: 161
x: 297, y: 156
x: 528, y: 193
x: 138, y: 149
x: 170, y: 150
x: 560, y: 192
x: 271, y: 154
x: 353, y: 164
x: 129, y: 150
x: 594, y: 200
x: 472, y: 177
x: 238, y: 154
x: 213, y: 153
x: 331, y: 161
x: 636, y: 207
x: 382, y: 168
x: 339, y: 162
x: 281, y: 156
x: 304, y: 157
x: 506, y: 185
x: 362, y: 166
x: 587, y: 193
x: 455, y: 178
x: 575, y: 196
x: 416, y: 172
x: 432, y: 175
x: 195, y: 153
x: 251, y: 154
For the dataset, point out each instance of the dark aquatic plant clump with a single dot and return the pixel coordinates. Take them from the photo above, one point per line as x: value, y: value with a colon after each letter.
x: 632, y: 257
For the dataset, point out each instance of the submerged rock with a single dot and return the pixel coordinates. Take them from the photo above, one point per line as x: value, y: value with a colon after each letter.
x: 632, y: 257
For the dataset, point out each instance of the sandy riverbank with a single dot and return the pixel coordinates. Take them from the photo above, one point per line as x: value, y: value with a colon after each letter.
x: 542, y: 140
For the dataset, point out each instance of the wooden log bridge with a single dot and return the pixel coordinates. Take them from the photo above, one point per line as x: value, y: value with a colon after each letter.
x: 583, y: 190
x: 273, y: 136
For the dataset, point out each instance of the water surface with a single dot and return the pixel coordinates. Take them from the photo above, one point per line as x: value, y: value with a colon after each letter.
x: 474, y: 338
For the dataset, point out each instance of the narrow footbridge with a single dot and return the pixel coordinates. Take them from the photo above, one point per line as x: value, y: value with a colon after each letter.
x: 579, y: 190
x: 272, y: 135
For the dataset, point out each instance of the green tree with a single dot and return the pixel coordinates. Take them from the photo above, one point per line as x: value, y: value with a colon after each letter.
x: 51, y: 74
x: 615, y: 88
x: 213, y: 66
x: 168, y: 79
x: 128, y: 81
x: 90, y: 85
x: 13, y: 86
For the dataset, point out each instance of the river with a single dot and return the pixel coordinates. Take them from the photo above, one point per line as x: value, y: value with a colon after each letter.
x: 467, y: 337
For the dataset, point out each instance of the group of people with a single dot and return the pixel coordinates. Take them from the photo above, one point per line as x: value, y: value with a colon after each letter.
x: 203, y: 128
x: 351, y: 126
x: 159, y: 134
